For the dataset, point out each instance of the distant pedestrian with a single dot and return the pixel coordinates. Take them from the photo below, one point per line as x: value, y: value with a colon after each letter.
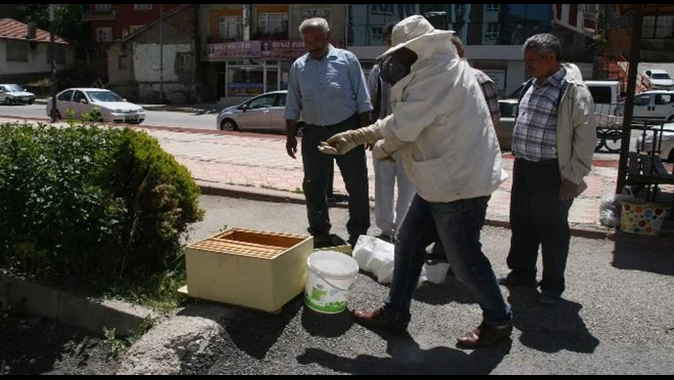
x: 327, y: 86
x: 553, y: 143
x: 388, y: 174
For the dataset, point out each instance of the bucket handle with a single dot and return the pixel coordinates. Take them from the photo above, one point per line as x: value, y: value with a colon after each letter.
x: 331, y: 284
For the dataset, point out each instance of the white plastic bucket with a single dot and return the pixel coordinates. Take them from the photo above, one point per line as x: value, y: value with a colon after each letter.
x: 330, y: 277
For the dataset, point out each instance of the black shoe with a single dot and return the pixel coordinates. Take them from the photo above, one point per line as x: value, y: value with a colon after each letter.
x: 386, y: 237
x: 511, y: 282
x: 549, y: 300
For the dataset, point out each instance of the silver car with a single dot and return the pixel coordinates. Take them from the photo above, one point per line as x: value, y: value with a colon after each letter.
x: 113, y: 108
x: 263, y: 112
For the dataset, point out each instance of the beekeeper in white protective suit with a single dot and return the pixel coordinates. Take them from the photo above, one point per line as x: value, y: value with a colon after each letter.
x: 442, y: 128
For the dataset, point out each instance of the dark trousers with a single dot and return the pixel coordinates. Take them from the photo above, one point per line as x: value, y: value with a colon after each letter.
x: 317, y: 172
x: 538, y: 218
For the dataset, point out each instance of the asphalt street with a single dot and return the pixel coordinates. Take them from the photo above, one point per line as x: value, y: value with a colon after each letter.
x: 615, y: 318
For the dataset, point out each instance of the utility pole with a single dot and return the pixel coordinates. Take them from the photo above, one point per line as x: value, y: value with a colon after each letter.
x: 161, y: 53
x: 52, y: 53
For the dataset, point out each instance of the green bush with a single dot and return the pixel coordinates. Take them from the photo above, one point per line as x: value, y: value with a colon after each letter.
x: 105, y: 205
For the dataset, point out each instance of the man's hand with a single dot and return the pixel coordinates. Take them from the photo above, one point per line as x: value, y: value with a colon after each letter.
x: 568, y: 190
x: 291, y: 146
x: 338, y: 144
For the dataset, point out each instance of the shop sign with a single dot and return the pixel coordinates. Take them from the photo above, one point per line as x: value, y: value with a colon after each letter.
x: 238, y: 49
x: 272, y: 49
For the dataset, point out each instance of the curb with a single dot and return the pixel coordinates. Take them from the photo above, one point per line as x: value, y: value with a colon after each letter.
x: 77, y: 310
x: 589, y: 232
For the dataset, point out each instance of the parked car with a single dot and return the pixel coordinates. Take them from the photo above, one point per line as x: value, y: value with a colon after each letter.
x: 262, y: 112
x: 652, y: 106
x: 660, y: 79
x: 15, y: 94
x: 666, y: 144
x: 504, y: 129
x: 113, y: 108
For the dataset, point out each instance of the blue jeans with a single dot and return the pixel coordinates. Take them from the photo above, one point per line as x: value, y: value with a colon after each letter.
x: 457, y: 225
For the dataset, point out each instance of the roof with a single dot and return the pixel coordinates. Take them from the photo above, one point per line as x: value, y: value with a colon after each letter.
x: 167, y: 15
x: 16, y: 30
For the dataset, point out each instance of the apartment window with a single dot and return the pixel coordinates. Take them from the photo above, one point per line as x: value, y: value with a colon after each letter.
x: 123, y: 62
x: 142, y: 7
x: 311, y: 13
x: 183, y: 63
x: 230, y: 27
x: 384, y: 9
x: 17, y: 51
x: 492, y: 7
x: 104, y: 34
x: 102, y: 7
x: 658, y: 27
x: 272, y: 22
x: 492, y: 31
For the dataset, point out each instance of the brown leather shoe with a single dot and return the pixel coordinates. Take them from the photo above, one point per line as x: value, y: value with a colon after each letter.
x: 379, y: 318
x: 485, y: 335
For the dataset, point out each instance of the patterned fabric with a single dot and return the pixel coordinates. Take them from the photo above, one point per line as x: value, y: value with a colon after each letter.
x: 490, y: 94
x: 535, y: 131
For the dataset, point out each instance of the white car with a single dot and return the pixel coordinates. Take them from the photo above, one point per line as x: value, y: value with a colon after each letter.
x: 15, y: 94
x: 113, y: 108
x: 660, y: 79
x: 666, y: 144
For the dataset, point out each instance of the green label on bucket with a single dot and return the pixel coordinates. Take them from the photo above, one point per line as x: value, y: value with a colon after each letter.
x: 329, y: 307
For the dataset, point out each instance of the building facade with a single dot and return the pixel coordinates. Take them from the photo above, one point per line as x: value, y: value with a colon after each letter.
x: 492, y: 33
x: 25, y: 52
x: 249, y: 47
x: 113, y: 22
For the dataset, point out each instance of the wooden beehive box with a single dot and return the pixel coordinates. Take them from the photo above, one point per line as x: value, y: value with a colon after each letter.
x: 256, y: 269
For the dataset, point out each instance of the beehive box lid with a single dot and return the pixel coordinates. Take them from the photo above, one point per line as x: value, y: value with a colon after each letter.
x: 250, y: 243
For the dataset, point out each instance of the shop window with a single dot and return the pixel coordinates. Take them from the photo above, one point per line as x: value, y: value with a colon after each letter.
x: 230, y: 27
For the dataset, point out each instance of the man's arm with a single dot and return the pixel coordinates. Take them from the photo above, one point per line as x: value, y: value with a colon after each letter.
x: 583, y: 142
x: 491, y: 96
x: 357, y: 78
x: 292, y: 112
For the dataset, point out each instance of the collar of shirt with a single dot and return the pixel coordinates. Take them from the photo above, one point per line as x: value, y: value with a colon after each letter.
x: 554, y: 80
x: 329, y: 53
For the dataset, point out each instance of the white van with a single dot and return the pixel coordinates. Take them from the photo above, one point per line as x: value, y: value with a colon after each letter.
x: 606, y: 95
x: 654, y: 105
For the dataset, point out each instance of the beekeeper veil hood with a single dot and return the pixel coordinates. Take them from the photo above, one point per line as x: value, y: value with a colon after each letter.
x: 410, y: 31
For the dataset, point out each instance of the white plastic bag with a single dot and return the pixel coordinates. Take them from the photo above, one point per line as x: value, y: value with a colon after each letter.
x: 611, y: 207
x: 377, y: 257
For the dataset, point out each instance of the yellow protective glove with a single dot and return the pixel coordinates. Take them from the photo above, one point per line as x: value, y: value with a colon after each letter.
x: 343, y: 142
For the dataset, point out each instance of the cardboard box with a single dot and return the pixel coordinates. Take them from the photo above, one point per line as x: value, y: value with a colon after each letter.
x: 256, y: 269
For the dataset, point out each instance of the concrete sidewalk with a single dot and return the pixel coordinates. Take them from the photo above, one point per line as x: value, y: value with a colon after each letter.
x: 256, y: 166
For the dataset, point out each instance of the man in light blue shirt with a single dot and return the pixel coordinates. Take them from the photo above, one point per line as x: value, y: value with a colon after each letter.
x: 327, y: 87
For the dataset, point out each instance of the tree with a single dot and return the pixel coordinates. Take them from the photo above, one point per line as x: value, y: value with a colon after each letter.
x: 68, y: 22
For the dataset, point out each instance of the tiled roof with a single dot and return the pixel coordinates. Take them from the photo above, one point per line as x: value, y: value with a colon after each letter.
x: 16, y: 30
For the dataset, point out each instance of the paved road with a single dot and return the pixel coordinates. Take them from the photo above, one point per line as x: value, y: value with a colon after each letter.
x: 616, y: 318
x: 190, y: 120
